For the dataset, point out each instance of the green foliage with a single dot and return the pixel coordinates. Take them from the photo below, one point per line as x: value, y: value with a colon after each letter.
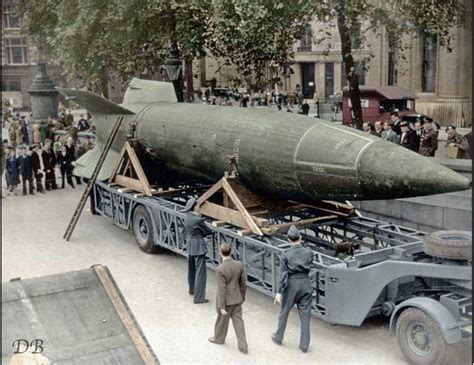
x: 92, y: 39
x: 249, y: 34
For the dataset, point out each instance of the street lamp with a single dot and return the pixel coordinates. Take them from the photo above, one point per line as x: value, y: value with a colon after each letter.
x: 173, y: 69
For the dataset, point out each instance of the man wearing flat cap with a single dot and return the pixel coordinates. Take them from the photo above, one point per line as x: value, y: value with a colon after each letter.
x: 295, y: 287
x: 195, y: 230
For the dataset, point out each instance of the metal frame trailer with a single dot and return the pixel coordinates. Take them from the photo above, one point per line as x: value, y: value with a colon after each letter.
x: 428, y: 299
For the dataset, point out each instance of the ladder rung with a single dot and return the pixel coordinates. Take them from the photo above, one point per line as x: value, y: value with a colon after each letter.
x: 91, y: 182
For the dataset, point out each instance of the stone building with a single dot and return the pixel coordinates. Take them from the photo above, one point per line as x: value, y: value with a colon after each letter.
x: 19, y: 57
x: 440, y: 78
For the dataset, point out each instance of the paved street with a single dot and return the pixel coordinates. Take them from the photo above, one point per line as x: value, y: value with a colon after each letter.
x: 156, y: 291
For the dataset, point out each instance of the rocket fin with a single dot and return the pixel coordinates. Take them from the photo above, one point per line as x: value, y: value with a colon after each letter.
x: 148, y: 91
x: 85, y: 165
x: 94, y: 103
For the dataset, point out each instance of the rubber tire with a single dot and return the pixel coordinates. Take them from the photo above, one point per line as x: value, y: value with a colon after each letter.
x: 449, y: 244
x: 145, y: 244
x: 441, y: 353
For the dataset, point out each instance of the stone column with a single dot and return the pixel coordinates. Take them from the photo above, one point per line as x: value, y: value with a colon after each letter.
x: 44, y: 97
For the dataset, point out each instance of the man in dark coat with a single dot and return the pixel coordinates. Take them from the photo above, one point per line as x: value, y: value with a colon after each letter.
x: 195, y: 231
x: 64, y: 160
x: 429, y: 140
x: 49, y: 162
x: 295, y: 287
x: 231, y: 289
x: 13, y: 172
x: 71, y: 151
x: 26, y: 170
x: 305, y: 108
x: 82, y: 124
x: 396, y: 123
x: 36, y: 165
x: 408, y: 137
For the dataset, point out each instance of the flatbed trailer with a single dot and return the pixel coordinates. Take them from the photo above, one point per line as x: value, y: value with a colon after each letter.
x: 428, y: 299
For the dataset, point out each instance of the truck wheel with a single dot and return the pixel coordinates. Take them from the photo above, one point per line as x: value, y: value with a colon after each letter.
x: 143, y: 230
x: 449, y: 244
x: 420, y: 338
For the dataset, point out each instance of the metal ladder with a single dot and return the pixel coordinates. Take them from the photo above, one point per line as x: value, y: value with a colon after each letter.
x: 91, y: 182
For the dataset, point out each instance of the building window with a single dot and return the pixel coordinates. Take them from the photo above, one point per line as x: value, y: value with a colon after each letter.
x: 430, y: 53
x: 10, y: 20
x: 392, y: 58
x: 16, y: 51
x: 11, y: 85
x: 306, y: 39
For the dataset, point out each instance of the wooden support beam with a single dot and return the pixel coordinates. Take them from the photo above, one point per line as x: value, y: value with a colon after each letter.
x: 275, y: 228
x: 241, y: 208
x: 130, y: 183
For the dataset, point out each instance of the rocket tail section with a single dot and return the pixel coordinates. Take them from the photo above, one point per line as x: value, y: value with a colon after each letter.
x: 104, y: 114
x: 94, y: 103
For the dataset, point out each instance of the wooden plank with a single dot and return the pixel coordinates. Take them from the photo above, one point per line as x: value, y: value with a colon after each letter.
x: 219, y: 212
x: 117, y: 164
x: 238, y: 204
x: 124, y: 315
x: 129, y: 183
x: 211, y: 191
x: 218, y: 224
x: 138, y: 169
x: 283, y: 226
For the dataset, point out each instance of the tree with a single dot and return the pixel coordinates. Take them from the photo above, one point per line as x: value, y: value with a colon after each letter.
x: 399, y: 18
x: 253, y: 34
x: 92, y: 39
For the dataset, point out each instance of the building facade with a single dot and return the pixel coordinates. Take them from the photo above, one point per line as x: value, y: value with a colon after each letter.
x: 441, y: 78
x: 19, y: 57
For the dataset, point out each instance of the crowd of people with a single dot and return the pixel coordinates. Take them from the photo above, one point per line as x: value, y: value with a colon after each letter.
x: 420, y: 137
x: 35, y: 158
x: 283, y: 100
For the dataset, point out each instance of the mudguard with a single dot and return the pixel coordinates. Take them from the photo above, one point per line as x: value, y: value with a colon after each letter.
x: 439, y: 313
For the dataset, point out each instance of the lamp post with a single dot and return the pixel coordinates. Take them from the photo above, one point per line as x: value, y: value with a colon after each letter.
x: 173, y: 69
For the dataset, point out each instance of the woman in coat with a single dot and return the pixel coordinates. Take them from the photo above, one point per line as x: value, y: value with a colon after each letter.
x: 13, y: 172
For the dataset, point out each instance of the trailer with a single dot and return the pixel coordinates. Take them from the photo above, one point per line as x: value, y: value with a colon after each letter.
x: 426, y: 298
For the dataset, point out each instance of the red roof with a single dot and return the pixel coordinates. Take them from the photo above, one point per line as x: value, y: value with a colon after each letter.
x: 388, y: 92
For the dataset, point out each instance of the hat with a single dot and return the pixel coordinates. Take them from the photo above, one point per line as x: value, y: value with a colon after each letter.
x: 404, y: 124
x: 293, y: 233
x: 189, y: 205
x: 449, y: 127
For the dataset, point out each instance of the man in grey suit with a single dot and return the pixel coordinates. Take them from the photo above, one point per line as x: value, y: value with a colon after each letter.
x: 231, y: 289
x: 295, y: 287
x: 195, y: 231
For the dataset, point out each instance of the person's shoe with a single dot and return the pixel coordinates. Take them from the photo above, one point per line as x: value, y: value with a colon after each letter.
x: 244, y: 351
x: 43, y: 192
x: 213, y: 340
x: 201, y: 301
x: 304, y: 349
x: 275, y: 339
x: 191, y: 292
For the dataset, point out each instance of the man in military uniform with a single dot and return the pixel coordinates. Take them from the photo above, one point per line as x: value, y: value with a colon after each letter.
x: 456, y: 139
x: 195, y: 231
x: 429, y: 139
x: 295, y: 287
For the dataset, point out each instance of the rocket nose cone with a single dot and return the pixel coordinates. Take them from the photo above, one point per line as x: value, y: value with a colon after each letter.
x: 388, y: 171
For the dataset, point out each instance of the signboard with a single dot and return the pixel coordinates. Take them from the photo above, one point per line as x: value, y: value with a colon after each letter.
x: 364, y: 103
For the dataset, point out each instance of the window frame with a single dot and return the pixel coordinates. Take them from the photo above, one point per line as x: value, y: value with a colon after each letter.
x: 23, y: 46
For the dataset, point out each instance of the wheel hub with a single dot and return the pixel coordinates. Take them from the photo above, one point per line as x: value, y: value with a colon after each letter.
x: 143, y: 227
x: 419, y: 339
